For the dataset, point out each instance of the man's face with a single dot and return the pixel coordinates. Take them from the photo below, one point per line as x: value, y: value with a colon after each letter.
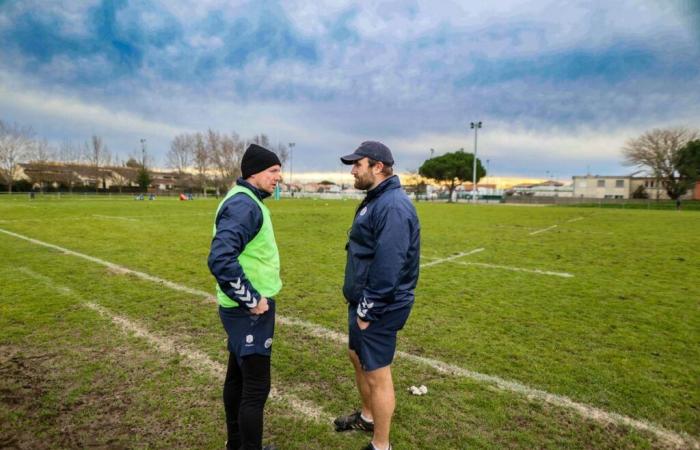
x: 365, y: 177
x: 267, y: 179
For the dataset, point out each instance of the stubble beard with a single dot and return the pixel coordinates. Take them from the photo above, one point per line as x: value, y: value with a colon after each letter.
x: 363, y: 183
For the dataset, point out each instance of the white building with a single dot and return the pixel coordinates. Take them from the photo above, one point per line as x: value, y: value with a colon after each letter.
x: 546, y: 189
x: 619, y: 187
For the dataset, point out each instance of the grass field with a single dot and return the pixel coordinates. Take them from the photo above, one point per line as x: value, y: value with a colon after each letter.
x: 533, y: 328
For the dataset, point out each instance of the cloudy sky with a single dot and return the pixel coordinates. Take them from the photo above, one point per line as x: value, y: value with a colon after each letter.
x: 559, y: 85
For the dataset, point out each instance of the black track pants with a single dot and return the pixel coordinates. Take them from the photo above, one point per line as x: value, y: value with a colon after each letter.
x: 245, y: 391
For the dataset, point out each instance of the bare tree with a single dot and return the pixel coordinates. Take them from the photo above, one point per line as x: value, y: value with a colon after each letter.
x: 213, y: 144
x: 41, y: 156
x: 180, y: 157
x: 264, y: 141
x: 202, y: 161
x: 214, y: 152
x: 227, y: 160
x: 41, y: 151
x: 97, y: 154
x: 261, y: 139
x: 181, y: 152
x: 15, y: 146
x: 659, y: 151
x: 70, y: 152
x: 283, y: 153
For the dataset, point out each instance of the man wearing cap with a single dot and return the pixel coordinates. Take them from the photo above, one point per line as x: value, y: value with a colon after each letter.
x: 381, y: 274
x: 245, y: 262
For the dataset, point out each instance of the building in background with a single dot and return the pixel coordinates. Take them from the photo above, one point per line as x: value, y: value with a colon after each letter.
x: 546, y: 189
x: 80, y: 177
x: 624, y: 187
x: 596, y: 186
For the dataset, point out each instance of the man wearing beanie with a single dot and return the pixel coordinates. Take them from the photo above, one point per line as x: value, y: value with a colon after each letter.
x: 245, y: 262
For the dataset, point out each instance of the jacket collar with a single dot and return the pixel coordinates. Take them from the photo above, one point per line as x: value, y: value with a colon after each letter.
x: 258, y: 193
x: 390, y: 183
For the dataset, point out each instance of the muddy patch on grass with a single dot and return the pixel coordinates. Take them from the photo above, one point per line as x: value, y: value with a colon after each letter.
x: 44, y: 404
x: 20, y: 385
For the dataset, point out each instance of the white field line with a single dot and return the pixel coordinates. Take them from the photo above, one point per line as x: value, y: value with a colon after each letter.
x: 115, y: 267
x: 149, y: 216
x: 46, y: 280
x: 73, y: 219
x: 679, y: 440
x: 515, y: 269
x: 543, y: 230
x: 100, y: 216
x: 209, y: 214
x: 202, y: 362
x: 575, y: 219
x: 136, y: 218
x: 194, y: 358
x: 605, y: 233
x: 12, y: 205
x: 450, y: 258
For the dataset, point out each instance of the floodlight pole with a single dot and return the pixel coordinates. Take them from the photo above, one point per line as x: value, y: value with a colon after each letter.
x: 143, y: 153
x: 475, y: 126
x: 291, y: 163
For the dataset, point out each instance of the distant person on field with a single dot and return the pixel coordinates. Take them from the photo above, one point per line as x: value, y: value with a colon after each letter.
x: 245, y: 262
x: 381, y: 274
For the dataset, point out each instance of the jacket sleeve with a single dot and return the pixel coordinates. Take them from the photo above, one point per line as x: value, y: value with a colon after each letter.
x: 393, y: 234
x: 238, y: 222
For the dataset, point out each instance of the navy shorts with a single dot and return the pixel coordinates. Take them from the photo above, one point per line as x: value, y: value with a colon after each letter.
x: 376, y: 345
x: 249, y: 334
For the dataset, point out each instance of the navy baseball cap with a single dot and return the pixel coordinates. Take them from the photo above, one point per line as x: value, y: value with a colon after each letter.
x: 370, y: 149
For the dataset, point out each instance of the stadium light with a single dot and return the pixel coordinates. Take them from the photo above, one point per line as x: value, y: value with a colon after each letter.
x: 143, y: 153
x: 475, y: 126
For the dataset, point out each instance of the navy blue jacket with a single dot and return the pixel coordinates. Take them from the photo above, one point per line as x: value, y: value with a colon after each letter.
x: 239, y: 220
x: 383, y: 248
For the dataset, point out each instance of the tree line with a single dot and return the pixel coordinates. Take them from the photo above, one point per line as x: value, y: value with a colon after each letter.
x: 203, y: 160
x: 213, y: 157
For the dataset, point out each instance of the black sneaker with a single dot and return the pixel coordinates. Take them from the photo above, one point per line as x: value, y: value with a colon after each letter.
x: 353, y: 422
x: 370, y: 446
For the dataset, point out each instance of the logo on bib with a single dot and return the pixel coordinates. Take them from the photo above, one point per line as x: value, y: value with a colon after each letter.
x: 268, y: 342
x: 364, y: 211
x: 249, y: 339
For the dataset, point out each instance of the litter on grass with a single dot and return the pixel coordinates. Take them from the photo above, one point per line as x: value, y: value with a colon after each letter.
x: 420, y: 390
